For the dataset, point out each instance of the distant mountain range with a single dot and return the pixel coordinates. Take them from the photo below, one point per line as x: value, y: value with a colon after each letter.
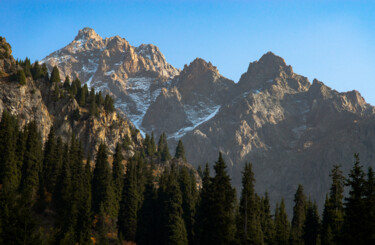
x: 293, y: 131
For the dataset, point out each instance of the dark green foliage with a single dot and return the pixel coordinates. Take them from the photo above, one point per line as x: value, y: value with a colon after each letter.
x: 370, y: 207
x: 189, y: 194
x: 333, y: 214
x: 32, y: 162
x: 17, y: 226
x: 118, y: 176
x: 282, y: 226
x: 180, y: 151
x: 218, y: 207
x: 109, y: 104
x: 266, y: 221
x: 82, y: 97
x: 38, y: 71
x: 353, y: 226
x: 67, y: 83
x: 163, y: 150
x: 55, y: 76
x: 21, y: 78
x: 202, y: 228
x: 148, y: 213
x: 129, y: 205
x: 102, y: 192
x: 299, y: 216
x: 76, y: 115
x: 249, y: 227
x: 99, y: 99
x: 311, y: 228
x: 10, y: 174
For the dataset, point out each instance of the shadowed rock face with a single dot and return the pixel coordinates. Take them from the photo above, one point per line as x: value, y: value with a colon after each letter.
x: 292, y: 130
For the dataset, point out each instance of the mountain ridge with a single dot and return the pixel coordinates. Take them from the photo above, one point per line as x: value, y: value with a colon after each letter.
x: 273, y: 117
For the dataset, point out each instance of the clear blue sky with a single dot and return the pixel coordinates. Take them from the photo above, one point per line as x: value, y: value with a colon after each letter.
x: 333, y: 41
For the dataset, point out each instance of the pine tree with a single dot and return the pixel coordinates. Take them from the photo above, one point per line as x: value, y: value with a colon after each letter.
x: 55, y: 76
x: 180, y: 151
x: 175, y: 226
x: 221, y: 220
x: 129, y: 205
x: 66, y: 84
x: 353, y: 226
x: 267, y: 222
x: 163, y: 150
x: 102, y: 182
x: 187, y: 187
x: 83, y: 228
x: 32, y: 165
x: 249, y: 227
x: 83, y: 95
x: 21, y: 77
x: 109, y: 104
x: 333, y: 214
x: 299, y: 216
x: 152, y: 149
x: 93, y: 109
x: 118, y: 176
x: 370, y: 207
x: 282, y: 226
x: 36, y: 71
x: 9, y: 170
x: 311, y: 228
x: 203, y: 223
x: 147, y: 222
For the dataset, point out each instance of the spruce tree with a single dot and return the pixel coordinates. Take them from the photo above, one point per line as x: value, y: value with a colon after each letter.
x: 180, y: 151
x: 204, y: 212
x: 147, y: 223
x: 129, y: 205
x: 249, y: 227
x: 353, y: 226
x: 102, y: 182
x: 21, y: 77
x: 223, y: 206
x: 299, y: 216
x: 55, y: 76
x: 118, y: 176
x: 311, y: 228
x: 163, y: 150
x: 187, y: 187
x: 267, y: 222
x: 9, y: 170
x: 152, y: 149
x: 32, y: 164
x: 175, y: 226
x: 333, y: 214
x: 282, y: 226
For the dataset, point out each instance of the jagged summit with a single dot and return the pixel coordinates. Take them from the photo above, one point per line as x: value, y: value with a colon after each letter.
x: 269, y: 64
x: 199, y: 64
x: 86, y: 34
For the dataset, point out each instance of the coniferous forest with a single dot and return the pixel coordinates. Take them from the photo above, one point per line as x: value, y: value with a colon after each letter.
x: 54, y: 194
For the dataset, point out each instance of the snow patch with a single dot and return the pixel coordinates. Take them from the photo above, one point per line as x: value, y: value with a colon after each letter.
x: 196, y: 122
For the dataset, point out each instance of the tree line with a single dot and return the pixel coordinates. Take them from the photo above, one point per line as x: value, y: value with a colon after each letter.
x: 54, y: 194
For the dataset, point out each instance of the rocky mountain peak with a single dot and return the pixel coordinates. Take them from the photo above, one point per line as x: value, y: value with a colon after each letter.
x: 199, y: 66
x: 87, y: 33
x: 269, y: 65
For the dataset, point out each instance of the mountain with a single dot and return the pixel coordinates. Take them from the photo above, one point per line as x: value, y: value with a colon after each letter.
x: 133, y: 75
x: 292, y: 130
